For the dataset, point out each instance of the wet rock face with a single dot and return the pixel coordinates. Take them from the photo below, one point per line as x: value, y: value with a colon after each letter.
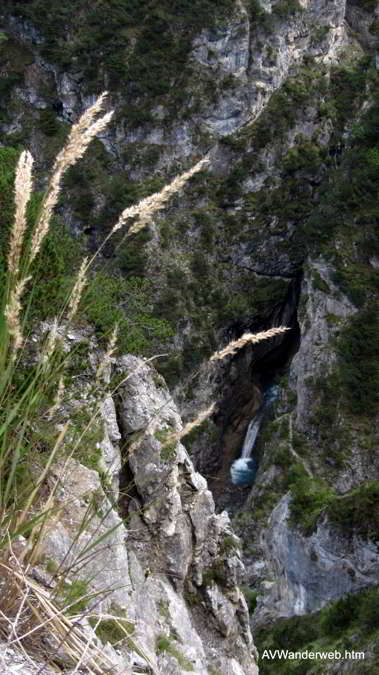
x: 308, y: 572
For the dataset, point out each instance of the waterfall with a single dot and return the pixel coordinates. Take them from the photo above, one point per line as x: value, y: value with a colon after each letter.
x: 251, y: 434
x: 244, y: 469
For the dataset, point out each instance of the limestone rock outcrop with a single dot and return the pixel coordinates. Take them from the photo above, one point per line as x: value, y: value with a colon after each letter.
x: 153, y: 549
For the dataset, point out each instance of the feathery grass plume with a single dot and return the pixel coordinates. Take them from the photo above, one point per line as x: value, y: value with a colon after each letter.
x: 77, y: 291
x: 178, y: 435
x: 50, y: 343
x: 232, y: 347
x: 89, y: 115
x: 80, y: 136
x: 22, y: 189
x: 107, y: 356
x: 12, y: 312
x: 57, y: 399
x: 149, y: 205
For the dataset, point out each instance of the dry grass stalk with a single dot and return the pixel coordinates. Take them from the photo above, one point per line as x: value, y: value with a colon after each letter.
x: 108, y: 354
x: 178, y: 435
x: 57, y: 399
x: 23, y: 190
x: 77, y: 291
x: 247, y: 338
x: 89, y: 115
x: 50, y: 343
x: 13, y: 311
x: 23, y: 515
x: 42, y: 627
x: 10, y: 596
x: 148, y: 206
x: 80, y: 136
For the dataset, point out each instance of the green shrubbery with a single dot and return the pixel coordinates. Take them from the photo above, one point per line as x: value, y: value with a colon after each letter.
x: 48, y: 122
x: 286, y: 8
x: 305, y: 156
x: 354, y: 379
x: 347, y: 85
x: 112, y: 630
x: 250, y: 597
x: 358, y: 362
x: 107, y: 299
x: 368, y: 5
x: 344, y: 624
x: 166, y: 643
x: 310, y: 497
x: 162, y: 33
x: 14, y: 58
x: 127, y: 302
x: 354, y: 512
x: 357, y: 511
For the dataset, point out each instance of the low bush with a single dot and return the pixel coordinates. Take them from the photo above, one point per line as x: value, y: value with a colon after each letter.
x: 358, y: 361
x: 342, y: 624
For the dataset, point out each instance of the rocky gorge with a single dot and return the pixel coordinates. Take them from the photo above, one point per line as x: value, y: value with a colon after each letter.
x: 279, y: 229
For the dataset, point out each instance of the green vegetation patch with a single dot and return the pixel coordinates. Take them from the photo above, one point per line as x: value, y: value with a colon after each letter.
x: 144, y: 45
x: 286, y: 8
x: 349, y: 623
x: 358, y: 361
x: 14, y: 58
x: 165, y: 644
x: 250, y: 597
x: 128, y: 302
x: 112, y: 630
x: 107, y: 299
x: 74, y: 595
x: 86, y: 433
x: 356, y: 512
x: 310, y: 497
x: 168, y: 450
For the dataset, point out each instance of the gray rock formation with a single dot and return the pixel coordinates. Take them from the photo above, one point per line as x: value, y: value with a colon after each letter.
x: 237, y: 52
x: 303, y: 574
x: 170, y: 566
x: 295, y: 573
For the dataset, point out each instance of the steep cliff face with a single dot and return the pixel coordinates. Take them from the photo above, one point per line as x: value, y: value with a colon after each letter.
x: 279, y: 229
x: 325, y: 545
x: 304, y: 571
x: 137, y: 536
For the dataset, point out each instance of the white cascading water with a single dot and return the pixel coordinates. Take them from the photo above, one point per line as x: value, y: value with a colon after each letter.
x: 244, y: 469
x: 251, y: 434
